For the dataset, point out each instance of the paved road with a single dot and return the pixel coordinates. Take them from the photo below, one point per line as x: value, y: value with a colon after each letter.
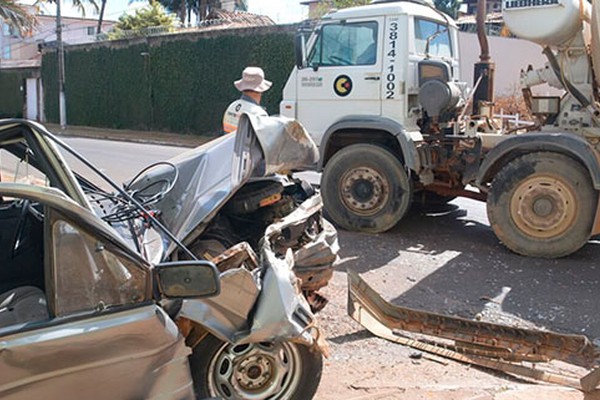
x: 121, y: 160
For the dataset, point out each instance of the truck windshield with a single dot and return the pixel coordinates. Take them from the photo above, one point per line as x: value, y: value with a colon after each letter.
x: 438, y: 35
x: 345, y: 44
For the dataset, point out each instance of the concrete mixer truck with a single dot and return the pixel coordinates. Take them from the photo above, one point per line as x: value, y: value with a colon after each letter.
x: 377, y: 87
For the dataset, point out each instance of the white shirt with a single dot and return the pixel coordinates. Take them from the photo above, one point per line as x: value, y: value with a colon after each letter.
x: 246, y: 105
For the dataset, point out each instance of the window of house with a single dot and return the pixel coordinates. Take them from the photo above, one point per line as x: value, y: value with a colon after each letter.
x: 345, y: 44
x: 10, y: 31
x: 91, y: 30
x: 6, y: 53
x: 90, y: 275
x: 438, y: 36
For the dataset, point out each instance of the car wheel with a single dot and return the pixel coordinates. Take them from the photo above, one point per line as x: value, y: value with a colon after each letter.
x: 255, y: 371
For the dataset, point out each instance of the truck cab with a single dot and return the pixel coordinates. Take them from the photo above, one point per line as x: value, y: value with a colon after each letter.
x: 363, y: 61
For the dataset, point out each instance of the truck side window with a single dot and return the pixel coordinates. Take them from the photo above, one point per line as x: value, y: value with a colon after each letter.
x: 438, y: 35
x: 345, y: 44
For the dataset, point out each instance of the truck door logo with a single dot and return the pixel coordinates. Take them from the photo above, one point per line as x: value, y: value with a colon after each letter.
x: 342, y: 86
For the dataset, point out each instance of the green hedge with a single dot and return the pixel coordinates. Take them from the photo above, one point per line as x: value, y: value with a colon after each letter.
x: 179, y: 83
x: 12, y: 96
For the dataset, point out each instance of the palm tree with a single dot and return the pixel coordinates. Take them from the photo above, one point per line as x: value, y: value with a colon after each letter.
x: 78, y: 4
x: 101, y: 17
x: 16, y: 15
x: 200, y: 8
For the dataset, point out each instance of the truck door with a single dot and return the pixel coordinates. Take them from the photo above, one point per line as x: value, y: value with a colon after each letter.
x: 343, y: 76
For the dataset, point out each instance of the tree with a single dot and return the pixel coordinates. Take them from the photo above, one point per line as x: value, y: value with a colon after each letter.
x: 326, y: 5
x: 16, y: 15
x: 154, y: 15
x: 449, y: 7
x: 185, y: 9
x: 78, y: 4
x: 101, y: 17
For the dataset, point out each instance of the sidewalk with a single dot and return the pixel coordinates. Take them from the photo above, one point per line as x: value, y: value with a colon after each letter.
x: 126, y: 135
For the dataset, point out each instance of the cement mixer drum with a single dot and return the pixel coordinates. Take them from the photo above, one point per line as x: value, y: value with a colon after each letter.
x: 547, y: 22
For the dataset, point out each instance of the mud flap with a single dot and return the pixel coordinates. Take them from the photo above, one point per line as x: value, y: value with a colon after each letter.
x: 484, y: 344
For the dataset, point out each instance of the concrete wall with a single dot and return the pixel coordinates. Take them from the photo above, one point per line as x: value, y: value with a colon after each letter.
x: 510, y: 56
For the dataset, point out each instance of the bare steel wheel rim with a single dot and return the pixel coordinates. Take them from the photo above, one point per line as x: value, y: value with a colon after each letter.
x: 364, y: 190
x: 255, y: 371
x: 544, y: 207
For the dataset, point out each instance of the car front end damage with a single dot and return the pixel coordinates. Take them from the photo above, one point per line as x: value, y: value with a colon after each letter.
x: 261, y: 298
x: 262, y: 304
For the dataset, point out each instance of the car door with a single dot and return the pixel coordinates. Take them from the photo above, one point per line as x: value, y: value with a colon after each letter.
x: 101, y: 336
x: 343, y: 76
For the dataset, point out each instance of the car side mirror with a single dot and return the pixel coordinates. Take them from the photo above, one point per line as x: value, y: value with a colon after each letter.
x: 299, y: 51
x: 187, y: 279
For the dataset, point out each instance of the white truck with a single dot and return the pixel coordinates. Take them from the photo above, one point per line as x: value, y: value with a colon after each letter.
x: 377, y: 88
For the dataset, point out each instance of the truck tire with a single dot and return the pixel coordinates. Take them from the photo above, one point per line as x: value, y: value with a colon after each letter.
x: 365, y: 188
x: 542, y: 205
x: 260, y: 371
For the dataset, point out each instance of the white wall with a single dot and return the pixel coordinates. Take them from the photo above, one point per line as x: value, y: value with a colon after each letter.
x: 510, y: 56
x: 75, y: 31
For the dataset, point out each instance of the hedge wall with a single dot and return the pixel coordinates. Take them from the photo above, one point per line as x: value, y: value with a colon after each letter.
x: 12, y: 94
x: 178, y: 83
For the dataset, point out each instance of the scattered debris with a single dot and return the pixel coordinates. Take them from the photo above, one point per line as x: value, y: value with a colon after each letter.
x: 511, y: 350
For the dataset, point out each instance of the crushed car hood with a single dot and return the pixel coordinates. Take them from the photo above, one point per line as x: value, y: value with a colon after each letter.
x: 210, y: 174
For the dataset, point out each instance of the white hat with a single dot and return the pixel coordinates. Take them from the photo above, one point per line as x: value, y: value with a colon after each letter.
x: 253, y: 78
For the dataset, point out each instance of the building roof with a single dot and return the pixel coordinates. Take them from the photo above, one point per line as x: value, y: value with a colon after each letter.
x: 95, y: 19
x: 239, y: 19
x: 20, y: 64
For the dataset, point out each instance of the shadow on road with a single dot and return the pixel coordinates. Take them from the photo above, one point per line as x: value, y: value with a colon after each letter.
x: 453, y: 264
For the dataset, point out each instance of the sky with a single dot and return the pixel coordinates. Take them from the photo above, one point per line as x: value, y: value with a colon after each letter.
x: 280, y: 11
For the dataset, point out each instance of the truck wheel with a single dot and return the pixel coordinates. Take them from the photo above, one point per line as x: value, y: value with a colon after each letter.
x: 257, y: 371
x: 542, y: 205
x: 365, y: 188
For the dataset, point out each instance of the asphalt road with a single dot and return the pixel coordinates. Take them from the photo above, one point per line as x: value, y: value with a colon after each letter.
x: 452, y: 263
x: 121, y: 160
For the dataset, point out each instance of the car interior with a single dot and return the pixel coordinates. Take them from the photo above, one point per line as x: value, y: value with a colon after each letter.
x: 22, y: 297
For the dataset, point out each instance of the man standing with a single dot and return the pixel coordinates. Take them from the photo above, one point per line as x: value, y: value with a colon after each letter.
x: 252, y: 85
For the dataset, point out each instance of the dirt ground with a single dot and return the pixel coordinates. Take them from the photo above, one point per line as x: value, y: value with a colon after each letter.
x: 362, y: 366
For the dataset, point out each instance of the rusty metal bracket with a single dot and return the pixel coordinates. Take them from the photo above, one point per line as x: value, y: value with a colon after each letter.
x: 383, y: 319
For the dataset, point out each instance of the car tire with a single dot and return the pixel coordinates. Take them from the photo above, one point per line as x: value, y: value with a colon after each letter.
x: 275, y: 371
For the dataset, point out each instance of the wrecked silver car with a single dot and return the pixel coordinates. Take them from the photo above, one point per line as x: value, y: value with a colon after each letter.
x: 78, y: 308
x: 210, y: 205
x: 258, y: 338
